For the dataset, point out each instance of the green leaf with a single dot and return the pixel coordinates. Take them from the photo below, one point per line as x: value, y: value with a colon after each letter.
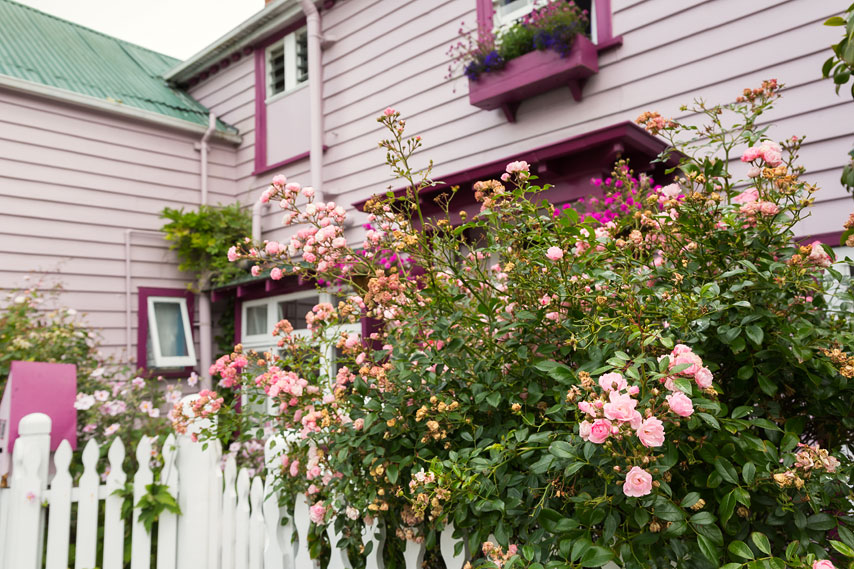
x: 702, y: 518
x: 562, y: 449
x: 392, y: 472
x: 708, y: 549
x: 494, y: 398
x: 690, y: 499
x: 822, y: 522
x: 835, y: 21
x: 761, y: 542
x: 741, y: 549
x: 842, y: 548
x: 726, y: 507
x: 748, y: 471
x: 755, y: 334
x: 726, y: 470
x: 596, y: 557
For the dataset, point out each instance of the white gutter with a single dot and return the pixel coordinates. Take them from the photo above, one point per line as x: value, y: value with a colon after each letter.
x: 128, y: 290
x: 257, y: 209
x: 110, y: 107
x: 205, y: 328
x: 315, y: 87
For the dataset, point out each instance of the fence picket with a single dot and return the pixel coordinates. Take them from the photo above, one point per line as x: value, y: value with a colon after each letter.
x: 301, y: 523
x: 229, y: 507
x: 256, y: 525
x: 30, y: 456
x: 87, y: 509
x: 167, y: 524
x: 273, y: 556
x: 59, y: 525
x: 447, y: 543
x: 413, y: 555
x: 374, y: 533
x: 214, y: 468
x: 140, y: 548
x: 114, y: 524
x: 338, y: 558
x: 241, y: 531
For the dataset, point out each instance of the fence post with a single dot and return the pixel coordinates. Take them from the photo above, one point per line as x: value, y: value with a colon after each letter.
x: 22, y: 548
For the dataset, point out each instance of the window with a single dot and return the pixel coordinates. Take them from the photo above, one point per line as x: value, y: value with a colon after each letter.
x: 259, y: 317
x: 835, y: 301
x: 287, y: 63
x: 502, y: 13
x: 170, y: 337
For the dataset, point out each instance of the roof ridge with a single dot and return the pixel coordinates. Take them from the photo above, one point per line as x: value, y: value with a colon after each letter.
x: 92, y: 30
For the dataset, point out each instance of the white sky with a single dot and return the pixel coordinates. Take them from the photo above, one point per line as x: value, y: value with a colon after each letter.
x: 179, y: 28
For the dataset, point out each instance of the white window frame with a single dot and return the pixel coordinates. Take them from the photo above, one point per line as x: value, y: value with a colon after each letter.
x: 265, y: 342
x: 161, y: 361
x: 288, y: 44
x: 841, y: 252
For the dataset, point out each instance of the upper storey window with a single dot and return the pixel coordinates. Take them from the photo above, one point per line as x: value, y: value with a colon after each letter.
x: 287, y: 63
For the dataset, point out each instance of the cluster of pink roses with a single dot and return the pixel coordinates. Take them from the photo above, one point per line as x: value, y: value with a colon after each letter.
x: 767, y: 151
x: 520, y: 168
x: 682, y: 355
x: 229, y: 367
x: 751, y: 205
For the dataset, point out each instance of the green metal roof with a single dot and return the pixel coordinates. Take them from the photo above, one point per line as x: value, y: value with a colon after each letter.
x: 44, y: 49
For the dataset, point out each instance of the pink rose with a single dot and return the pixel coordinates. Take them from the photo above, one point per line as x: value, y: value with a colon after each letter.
x: 749, y: 195
x: 703, y: 377
x: 554, y: 253
x: 680, y: 404
x: 620, y: 407
x: 818, y: 256
x: 681, y: 349
x: 612, y: 382
x: 518, y: 167
x: 256, y: 270
x: 751, y: 154
x: 754, y: 172
x: 823, y: 564
x: 671, y: 191
x: 273, y: 247
x: 279, y: 180
x: 584, y: 430
x: 233, y: 254
x: 586, y: 407
x: 694, y: 361
x: 317, y: 512
x: 636, y: 420
x: 638, y: 483
x: 599, y: 431
x: 651, y: 432
x: 276, y: 274
x: 389, y: 111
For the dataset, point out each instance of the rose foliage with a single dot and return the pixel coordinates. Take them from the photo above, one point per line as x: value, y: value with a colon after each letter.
x: 667, y: 385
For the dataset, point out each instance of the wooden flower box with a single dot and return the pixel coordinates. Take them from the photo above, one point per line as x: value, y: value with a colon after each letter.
x: 535, y: 73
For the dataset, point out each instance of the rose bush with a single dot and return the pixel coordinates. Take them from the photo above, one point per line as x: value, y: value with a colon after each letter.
x: 660, y: 379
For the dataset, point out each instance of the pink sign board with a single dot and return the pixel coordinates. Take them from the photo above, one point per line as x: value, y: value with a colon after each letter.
x: 38, y: 387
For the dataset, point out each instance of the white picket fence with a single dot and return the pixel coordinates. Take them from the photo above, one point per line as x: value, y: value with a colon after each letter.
x: 228, y: 520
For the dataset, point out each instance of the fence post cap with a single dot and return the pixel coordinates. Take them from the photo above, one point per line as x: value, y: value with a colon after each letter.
x: 34, y: 424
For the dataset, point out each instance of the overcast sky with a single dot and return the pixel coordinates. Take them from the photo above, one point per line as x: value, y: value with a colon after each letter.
x: 179, y: 28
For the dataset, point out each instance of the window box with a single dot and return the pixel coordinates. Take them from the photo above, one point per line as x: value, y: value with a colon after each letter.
x: 535, y: 73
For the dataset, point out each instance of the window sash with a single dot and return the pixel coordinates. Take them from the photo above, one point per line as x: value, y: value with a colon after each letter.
x: 154, y: 328
x: 287, y: 63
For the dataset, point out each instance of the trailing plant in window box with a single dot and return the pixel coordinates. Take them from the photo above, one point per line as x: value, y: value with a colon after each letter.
x: 553, y: 27
x: 201, y: 239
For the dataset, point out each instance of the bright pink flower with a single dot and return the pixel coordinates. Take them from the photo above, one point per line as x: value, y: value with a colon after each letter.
x: 389, y: 112
x: 554, y: 253
x: 638, y: 483
x: 256, y: 270
x: 612, y: 382
x: 651, y: 432
x: 273, y: 247
x: 599, y: 431
x: 519, y: 167
x: 680, y: 404
x: 823, y: 564
x: 586, y: 407
x: 671, y: 191
x: 232, y: 254
x: 681, y: 349
x: 279, y: 181
x: 749, y: 195
x: 620, y: 407
x: 276, y: 274
x: 694, y: 361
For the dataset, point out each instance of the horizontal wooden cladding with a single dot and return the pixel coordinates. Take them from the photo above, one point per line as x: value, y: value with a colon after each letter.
x: 46, y: 262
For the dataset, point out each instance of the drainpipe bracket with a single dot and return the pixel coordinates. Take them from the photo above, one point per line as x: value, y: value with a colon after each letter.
x: 328, y: 40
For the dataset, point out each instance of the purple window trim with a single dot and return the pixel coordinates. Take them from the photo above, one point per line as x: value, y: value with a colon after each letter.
x: 261, y: 165
x: 832, y: 238
x: 285, y: 162
x: 604, y: 25
x: 142, y: 329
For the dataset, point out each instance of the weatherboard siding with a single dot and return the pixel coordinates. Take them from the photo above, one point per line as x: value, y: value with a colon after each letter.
x: 71, y: 182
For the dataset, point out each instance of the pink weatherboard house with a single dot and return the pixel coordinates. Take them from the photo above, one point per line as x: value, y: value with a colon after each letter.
x: 106, y: 133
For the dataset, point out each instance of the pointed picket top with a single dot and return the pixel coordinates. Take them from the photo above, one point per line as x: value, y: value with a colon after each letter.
x: 242, y: 485
x: 116, y: 454
x: 413, y: 554
x: 256, y: 525
x: 143, y: 452
x: 230, y: 472
x: 169, y: 453
x: 338, y: 558
x: 274, y: 448
x: 447, y: 543
x: 256, y: 496
x: 91, y: 454
x: 62, y: 457
x: 374, y: 532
